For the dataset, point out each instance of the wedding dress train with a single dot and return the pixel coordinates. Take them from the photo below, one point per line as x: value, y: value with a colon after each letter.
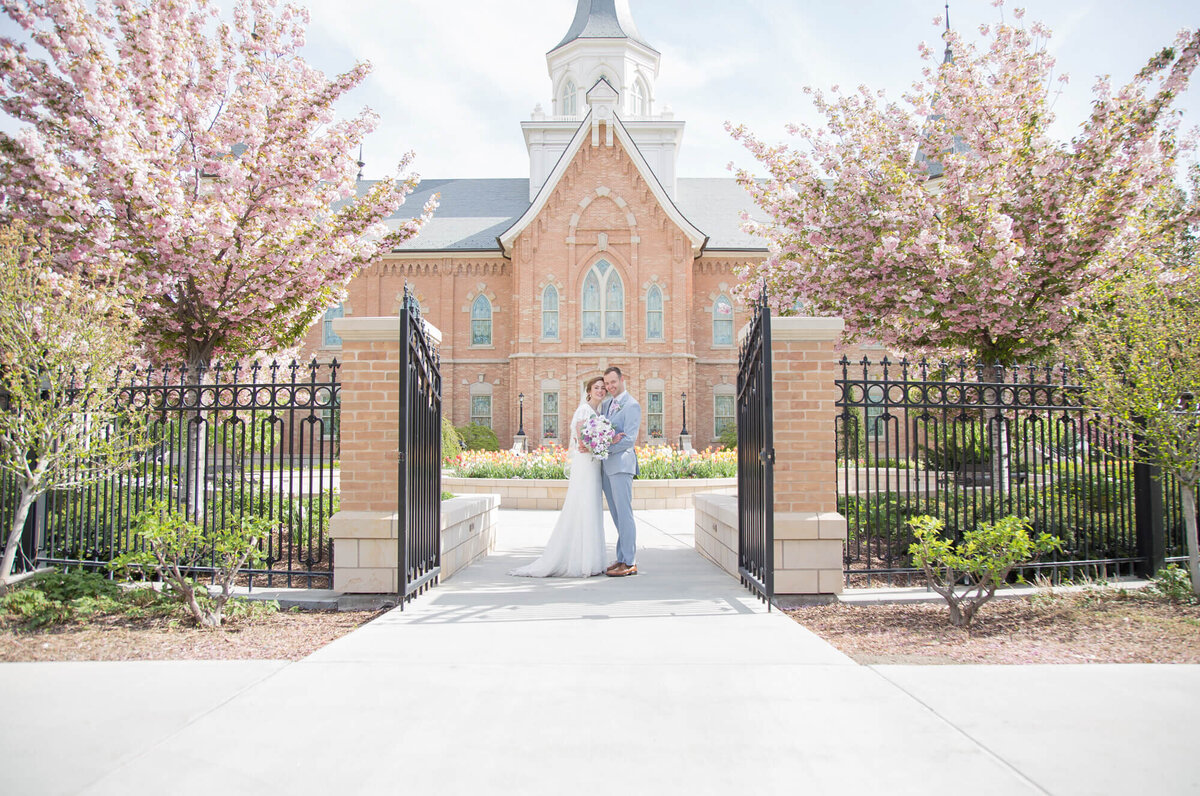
x: 576, y: 546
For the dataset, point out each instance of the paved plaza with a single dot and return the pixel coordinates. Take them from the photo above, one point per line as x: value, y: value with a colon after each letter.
x: 675, y: 681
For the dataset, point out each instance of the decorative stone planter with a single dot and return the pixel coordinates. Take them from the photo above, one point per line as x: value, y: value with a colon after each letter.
x: 549, y: 493
x: 365, y: 544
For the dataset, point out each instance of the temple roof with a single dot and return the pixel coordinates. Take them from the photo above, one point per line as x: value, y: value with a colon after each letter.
x: 473, y: 212
x: 602, y: 19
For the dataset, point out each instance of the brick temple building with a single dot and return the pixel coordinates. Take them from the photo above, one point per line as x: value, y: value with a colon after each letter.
x: 602, y: 256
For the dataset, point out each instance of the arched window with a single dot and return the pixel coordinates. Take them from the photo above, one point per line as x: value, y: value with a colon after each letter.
x: 481, y: 321
x: 567, y: 103
x: 722, y: 313
x: 603, y: 303
x: 654, y: 313
x: 550, y: 313
x: 638, y: 105
x: 329, y: 338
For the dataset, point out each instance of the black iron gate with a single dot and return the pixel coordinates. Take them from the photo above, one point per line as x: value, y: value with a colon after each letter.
x: 756, y: 458
x: 419, y: 498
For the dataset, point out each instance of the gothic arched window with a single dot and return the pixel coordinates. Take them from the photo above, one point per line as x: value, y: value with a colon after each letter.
x: 722, y: 313
x: 568, y: 99
x: 603, y: 303
x: 550, y: 313
x: 654, y: 313
x: 637, y: 95
x: 481, y: 321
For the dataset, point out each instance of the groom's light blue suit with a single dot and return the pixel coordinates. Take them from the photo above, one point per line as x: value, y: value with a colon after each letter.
x: 618, y: 470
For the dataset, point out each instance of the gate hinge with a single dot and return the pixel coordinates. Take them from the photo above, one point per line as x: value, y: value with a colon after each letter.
x: 767, y: 456
x: 399, y: 456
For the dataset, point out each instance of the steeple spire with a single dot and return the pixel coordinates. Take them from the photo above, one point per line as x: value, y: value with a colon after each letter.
x: 602, y: 19
x: 949, y: 56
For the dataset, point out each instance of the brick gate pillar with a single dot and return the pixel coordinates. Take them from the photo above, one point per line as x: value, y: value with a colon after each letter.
x: 809, y: 531
x: 365, y: 528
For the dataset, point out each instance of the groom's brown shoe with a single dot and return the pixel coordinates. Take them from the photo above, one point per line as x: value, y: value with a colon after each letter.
x: 622, y: 570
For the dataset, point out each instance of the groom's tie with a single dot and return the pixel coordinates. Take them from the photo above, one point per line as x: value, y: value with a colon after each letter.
x: 612, y: 407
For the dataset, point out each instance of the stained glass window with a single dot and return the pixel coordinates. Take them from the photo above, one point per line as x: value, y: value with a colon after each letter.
x: 481, y: 321
x: 723, y: 413
x: 591, y: 306
x: 481, y: 410
x: 550, y: 312
x: 654, y: 414
x: 614, y: 308
x: 723, y: 321
x: 603, y: 303
x: 654, y: 314
x: 550, y: 415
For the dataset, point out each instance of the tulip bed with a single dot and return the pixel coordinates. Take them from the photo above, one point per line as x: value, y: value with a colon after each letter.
x: 654, y: 461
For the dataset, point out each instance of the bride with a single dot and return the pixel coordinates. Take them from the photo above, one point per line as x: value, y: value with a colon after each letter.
x: 576, y: 547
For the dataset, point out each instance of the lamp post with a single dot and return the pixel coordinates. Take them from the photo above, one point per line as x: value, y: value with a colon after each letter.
x: 521, y: 414
x: 683, y: 396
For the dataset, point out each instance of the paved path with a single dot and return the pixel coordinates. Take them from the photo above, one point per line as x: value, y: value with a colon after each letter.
x: 675, y: 681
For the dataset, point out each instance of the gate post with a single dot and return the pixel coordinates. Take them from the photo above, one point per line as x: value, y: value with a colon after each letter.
x: 1148, y: 520
x: 810, y: 534
x: 365, y: 530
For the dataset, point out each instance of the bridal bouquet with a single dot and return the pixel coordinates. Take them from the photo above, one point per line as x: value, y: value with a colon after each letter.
x: 597, y: 434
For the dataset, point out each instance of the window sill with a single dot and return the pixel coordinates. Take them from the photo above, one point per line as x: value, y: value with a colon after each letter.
x: 605, y: 341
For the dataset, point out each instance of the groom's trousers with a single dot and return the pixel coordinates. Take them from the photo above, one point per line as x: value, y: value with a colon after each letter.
x: 618, y: 491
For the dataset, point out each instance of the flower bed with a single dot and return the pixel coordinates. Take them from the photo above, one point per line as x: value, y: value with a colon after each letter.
x: 668, y: 478
x: 655, y: 462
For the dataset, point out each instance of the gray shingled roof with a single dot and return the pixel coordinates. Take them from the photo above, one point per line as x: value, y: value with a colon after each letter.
x: 602, y: 19
x: 473, y: 212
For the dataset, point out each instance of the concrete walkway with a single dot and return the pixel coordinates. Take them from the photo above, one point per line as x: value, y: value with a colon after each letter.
x: 675, y: 681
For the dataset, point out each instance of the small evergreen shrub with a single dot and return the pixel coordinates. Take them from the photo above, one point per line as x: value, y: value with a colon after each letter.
x: 728, y: 438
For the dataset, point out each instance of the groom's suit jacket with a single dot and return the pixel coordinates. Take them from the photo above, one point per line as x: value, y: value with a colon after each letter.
x: 627, y: 419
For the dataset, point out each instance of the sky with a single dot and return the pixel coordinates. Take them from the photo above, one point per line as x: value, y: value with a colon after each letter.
x: 452, y: 80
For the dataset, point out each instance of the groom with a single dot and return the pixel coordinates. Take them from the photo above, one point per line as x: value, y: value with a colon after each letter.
x: 618, y: 470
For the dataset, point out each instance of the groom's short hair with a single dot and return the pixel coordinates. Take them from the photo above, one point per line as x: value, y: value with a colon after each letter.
x: 614, y: 369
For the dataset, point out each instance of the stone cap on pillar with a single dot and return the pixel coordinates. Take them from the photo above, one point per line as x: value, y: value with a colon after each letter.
x: 386, y: 327
x: 798, y: 327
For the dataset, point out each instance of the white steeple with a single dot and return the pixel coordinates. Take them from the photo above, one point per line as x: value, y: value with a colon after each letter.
x: 602, y: 43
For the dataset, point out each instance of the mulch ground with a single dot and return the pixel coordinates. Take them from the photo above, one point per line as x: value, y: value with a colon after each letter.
x: 1102, y: 626
x: 282, y: 636
x: 1088, y: 627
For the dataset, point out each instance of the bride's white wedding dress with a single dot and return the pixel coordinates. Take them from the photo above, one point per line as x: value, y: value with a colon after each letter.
x: 576, y: 547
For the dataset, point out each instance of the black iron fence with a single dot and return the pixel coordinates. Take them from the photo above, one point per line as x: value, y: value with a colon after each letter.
x: 228, y: 442
x: 419, y: 498
x: 756, y: 458
x: 971, y: 444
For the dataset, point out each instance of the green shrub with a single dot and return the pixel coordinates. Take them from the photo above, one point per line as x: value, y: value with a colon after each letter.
x: 1175, y: 584
x: 30, y: 606
x: 968, y: 574
x: 450, y: 440
x: 728, y: 437
x: 478, y: 438
x: 173, y: 547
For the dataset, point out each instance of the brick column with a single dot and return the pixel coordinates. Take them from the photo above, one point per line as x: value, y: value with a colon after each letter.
x: 809, y: 533
x: 364, y: 530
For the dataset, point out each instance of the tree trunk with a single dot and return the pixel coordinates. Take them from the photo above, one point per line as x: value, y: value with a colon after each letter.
x: 1189, y: 530
x: 194, y: 479
x: 16, y: 531
x: 996, y: 433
